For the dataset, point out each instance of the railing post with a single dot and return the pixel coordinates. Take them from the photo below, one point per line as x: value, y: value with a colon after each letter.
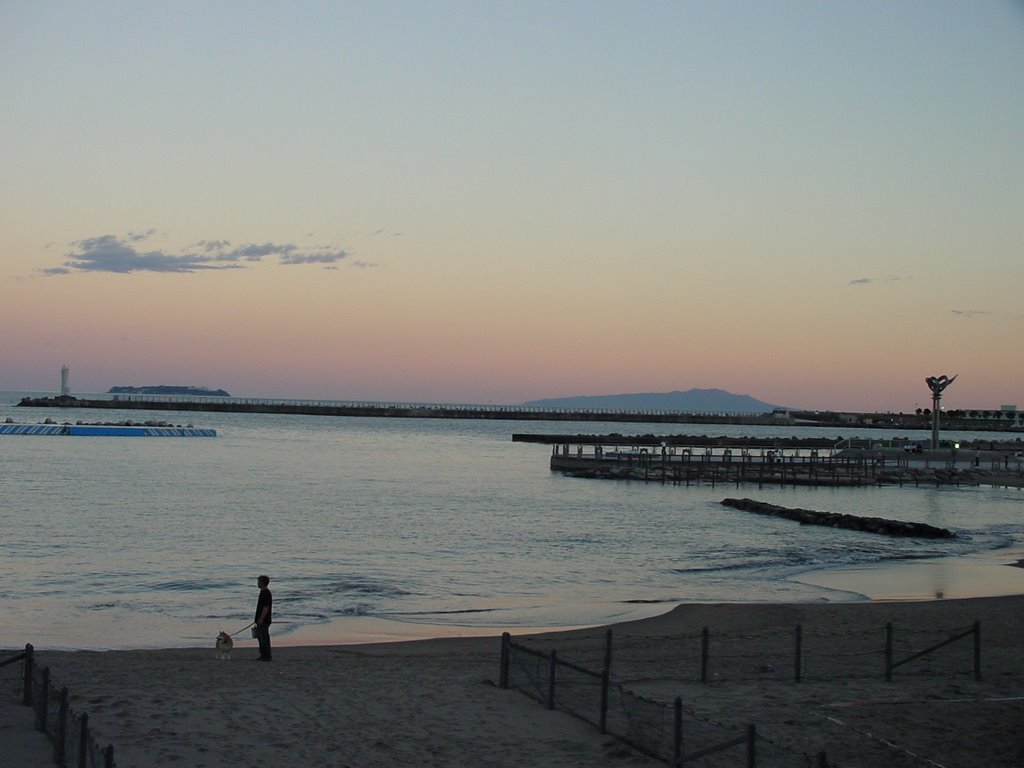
x: 751, y: 746
x: 108, y: 756
x: 704, y: 643
x: 552, y: 665
x: 26, y: 696
x: 43, y: 704
x: 888, y: 652
x: 606, y: 678
x: 83, y: 740
x: 798, y: 660
x: 503, y: 674
x: 61, y: 736
x: 677, y: 731
x: 977, y: 650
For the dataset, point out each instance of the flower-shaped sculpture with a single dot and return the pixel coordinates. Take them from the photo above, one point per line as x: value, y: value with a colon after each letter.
x: 937, y: 384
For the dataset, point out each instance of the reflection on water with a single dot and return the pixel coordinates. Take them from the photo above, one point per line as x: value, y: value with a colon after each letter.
x: 979, y: 575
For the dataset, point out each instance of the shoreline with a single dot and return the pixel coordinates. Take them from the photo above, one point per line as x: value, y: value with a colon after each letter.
x: 991, y: 573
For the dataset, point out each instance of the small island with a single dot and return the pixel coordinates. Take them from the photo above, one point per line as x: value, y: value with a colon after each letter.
x: 164, y: 389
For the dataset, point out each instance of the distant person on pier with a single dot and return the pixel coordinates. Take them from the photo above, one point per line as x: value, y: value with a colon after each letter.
x: 264, y: 616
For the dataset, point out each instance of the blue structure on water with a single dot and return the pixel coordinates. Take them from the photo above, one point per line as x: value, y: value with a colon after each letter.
x: 105, y: 430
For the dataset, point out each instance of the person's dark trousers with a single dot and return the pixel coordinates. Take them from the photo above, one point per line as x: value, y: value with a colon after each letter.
x: 263, y: 635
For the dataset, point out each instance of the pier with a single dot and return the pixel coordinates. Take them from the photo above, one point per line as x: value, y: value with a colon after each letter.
x: 785, y: 463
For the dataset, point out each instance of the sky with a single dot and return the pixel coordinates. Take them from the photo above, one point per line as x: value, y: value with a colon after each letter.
x: 819, y: 204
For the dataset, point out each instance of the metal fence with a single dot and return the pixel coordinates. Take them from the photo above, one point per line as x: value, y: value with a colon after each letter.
x: 666, y: 731
x: 674, y: 733
x: 73, y: 743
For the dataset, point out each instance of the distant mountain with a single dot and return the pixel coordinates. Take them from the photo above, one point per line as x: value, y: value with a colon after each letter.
x: 691, y: 401
x: 164, y: 389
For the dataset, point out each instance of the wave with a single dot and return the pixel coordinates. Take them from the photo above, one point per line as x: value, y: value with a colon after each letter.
x: 450, y: 612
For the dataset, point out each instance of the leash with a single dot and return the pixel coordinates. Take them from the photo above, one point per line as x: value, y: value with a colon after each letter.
x: 250, y: 624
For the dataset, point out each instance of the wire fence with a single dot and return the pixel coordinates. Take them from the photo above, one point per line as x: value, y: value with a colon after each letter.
x: 73, y: 743
x: 668, y: 730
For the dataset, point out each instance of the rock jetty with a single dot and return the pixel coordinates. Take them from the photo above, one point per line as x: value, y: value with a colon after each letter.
x: 838, y: 520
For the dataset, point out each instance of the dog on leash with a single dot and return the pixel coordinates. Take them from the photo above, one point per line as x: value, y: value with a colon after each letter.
x: 224, y: 645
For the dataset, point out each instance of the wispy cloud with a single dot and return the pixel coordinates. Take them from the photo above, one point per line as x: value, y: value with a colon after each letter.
x: 122, y: 255
x: 875, y: 280
x: 971, y: 314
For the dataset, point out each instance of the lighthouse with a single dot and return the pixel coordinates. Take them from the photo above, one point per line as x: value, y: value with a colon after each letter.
x: 65, y: 387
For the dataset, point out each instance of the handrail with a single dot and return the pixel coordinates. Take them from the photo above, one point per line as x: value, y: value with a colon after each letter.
x: 16, y: 658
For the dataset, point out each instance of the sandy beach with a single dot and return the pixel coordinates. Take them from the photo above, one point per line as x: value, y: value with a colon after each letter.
x: 437, y: 703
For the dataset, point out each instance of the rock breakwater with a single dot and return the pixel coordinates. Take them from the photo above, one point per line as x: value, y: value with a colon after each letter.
x: 878, y: 525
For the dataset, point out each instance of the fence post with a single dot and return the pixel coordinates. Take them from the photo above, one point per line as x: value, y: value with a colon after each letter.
x: 677, y: 731
x: 108, y: 756
x: 888, y: 652
x: 61, y: 736
x: 83, y: 740
x: 552, y: 664
x: 751, y: 746
x: 798, y: 661
x: 43, y: 704
x: 606, y: 678
x: 26, y: 695
x: 704, y: 642
x: 503, y: 674
x: 977, y: 650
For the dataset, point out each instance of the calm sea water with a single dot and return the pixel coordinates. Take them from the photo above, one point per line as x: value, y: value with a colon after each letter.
x: 154, y: 542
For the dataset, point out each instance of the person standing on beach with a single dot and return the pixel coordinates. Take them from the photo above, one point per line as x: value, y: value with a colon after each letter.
x: 264, y: 616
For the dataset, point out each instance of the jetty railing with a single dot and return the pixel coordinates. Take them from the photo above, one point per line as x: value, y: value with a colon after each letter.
x: 74, y: 745
x: 766, y: 465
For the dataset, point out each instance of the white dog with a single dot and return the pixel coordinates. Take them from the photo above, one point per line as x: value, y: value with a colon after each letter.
x: 224, y: 645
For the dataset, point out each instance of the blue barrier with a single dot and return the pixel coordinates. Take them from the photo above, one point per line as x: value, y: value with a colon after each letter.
x: 104, y: 430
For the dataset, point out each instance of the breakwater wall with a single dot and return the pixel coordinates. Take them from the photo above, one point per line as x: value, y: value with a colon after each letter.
x: 878, y: 525
x: 395, y: 410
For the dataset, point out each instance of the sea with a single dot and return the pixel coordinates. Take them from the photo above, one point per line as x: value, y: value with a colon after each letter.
x: 378, y: 528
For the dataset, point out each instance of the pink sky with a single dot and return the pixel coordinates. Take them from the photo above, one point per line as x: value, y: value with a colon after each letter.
x: 816, y: 206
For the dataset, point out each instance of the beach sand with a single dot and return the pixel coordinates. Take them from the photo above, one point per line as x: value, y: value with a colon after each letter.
x: 436, y: 702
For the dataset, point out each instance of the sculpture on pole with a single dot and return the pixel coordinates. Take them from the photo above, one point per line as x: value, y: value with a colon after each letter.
x: 936, y: 384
